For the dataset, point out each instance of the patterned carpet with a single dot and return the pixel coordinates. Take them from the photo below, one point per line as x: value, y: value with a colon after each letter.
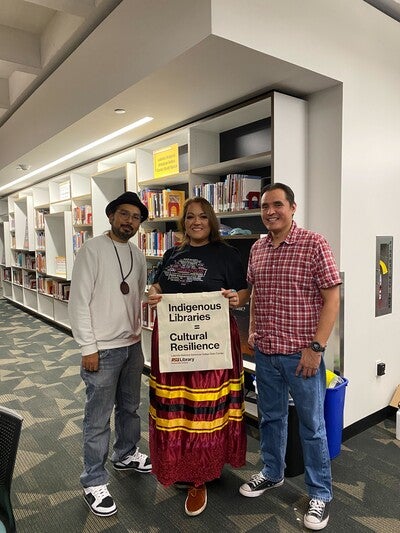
x: 39, y: 376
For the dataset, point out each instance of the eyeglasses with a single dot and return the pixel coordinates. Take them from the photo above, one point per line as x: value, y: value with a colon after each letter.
x: 127, y: 216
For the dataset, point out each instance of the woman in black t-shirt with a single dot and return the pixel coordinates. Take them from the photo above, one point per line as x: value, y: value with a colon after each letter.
x: 197, y: 418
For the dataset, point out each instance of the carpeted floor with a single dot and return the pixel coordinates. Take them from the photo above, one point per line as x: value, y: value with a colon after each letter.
x: 39, y: 378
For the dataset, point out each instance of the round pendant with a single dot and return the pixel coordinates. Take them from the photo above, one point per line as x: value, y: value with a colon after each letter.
x: 124, y: 287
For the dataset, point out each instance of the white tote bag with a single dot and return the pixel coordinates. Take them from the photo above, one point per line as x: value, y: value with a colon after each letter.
x: 194, y: 332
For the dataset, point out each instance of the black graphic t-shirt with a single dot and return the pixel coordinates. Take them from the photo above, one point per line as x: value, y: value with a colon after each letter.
x: 201, y: 269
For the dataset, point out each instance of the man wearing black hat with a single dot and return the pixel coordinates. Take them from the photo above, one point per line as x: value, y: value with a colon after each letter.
x: 108, y: 283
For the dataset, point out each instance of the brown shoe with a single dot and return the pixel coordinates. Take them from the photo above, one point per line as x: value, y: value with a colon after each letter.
x: 196, y: 500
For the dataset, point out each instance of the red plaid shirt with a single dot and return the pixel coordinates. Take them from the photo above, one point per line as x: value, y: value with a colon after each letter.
x: 286, y: 282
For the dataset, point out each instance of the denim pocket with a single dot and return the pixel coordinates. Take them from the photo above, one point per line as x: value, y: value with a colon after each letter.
x: 103, y: 353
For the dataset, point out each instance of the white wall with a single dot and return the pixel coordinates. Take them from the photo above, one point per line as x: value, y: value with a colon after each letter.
x: 356, y: 44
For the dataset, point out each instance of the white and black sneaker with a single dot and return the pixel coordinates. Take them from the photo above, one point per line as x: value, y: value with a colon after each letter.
x: 136, y: 461
x: 317, y: 516
x: 257, y: 485
x: 100, y: 501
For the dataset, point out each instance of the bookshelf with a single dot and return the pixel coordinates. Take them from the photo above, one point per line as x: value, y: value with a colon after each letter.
x: 223, y: 158
x: 41, y: 229
x: 265, y: 137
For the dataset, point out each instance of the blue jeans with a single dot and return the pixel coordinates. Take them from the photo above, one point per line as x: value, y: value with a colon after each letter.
x: 117, y: 382
x: 275, y: 378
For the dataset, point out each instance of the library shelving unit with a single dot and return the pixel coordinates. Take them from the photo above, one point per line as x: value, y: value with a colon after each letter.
x: 222, y: 157
x: 42, y: 228
x: 5, y: 248
x: 253, y: 144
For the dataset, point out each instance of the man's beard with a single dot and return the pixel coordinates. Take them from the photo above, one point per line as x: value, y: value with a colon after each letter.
x: 122, y: 234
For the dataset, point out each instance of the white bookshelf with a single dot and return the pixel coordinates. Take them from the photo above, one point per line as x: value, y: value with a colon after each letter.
x: 266, y: 136
x: 107, y: 185
x: 58, y: 231
x: 24, y: 223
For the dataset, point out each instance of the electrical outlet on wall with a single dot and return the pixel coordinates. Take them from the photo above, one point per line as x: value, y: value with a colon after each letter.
x: 380, y: 368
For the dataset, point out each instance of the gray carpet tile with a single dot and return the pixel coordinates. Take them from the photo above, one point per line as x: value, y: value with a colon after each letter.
x: 39, y: 378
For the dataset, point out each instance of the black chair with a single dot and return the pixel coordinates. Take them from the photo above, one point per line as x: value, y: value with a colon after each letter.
x: 10, y: 430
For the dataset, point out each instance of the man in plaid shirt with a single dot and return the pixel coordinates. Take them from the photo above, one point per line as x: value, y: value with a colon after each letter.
x: 295, y: 301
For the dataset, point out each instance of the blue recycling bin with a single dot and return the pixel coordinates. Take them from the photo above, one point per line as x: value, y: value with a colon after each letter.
x: 333, y: 411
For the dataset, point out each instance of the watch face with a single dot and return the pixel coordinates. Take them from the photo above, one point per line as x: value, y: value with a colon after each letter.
x: 316, y: 347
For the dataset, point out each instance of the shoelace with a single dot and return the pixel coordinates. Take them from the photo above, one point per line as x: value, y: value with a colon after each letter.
x: 138, y: 456
x: 257, y: 478
x: 100, y: 492
x: 316, y: 508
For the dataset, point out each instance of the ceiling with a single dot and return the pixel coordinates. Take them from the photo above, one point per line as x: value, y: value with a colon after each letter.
x: 44, y: 44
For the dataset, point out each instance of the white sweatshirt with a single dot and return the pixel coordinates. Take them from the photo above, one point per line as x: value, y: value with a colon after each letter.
x: 101, y: 316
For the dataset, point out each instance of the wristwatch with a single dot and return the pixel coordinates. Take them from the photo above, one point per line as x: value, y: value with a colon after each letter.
x: 317, y: 347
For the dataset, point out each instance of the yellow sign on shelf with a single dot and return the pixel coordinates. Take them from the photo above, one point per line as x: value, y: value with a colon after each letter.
x: 166, y: 161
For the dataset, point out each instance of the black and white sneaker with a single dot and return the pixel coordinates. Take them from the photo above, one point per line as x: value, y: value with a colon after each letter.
x: 257, y: 485
x: 136, y: 461
x: 100, y: 501
x: 317, y: 516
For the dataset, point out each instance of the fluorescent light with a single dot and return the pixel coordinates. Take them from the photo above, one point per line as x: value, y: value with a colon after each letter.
x: 81, y: 150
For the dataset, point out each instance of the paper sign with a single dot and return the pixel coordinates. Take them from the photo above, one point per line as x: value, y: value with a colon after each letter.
x: 194, y: 332
x: 166, y: 161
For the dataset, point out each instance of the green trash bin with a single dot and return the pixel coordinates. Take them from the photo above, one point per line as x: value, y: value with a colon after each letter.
x: 333, y: 411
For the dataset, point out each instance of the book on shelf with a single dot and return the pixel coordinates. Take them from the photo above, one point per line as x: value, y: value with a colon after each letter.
x: 152, y: 316
x: 17, y: 277
x: 82, y: 215
x: 172, y: 202
x: 26, y: 235
x: 45, y: 285
x: 61, y: 265
x: 61, y: 290
x: 78, y: 239
x: 148, y: 315
x: 41, y: 262
x: 250, y: 192
x: 40, y: 239
x: 30, y: 262
x: 7, y: 274
x: 29, y: 280
x: 145, y: 314
x: 39, y: 218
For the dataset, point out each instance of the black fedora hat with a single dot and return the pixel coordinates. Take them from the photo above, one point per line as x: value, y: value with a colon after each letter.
x: 131, y: 198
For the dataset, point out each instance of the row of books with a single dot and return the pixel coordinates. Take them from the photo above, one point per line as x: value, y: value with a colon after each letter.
x: 7, y: 274
x: 39, y: 217
x: 148, y: 315
x: 17, y: 277
x: 155, y: 242
x: 24, y: 260
x: 79, y: 238
x: 59, y: 289
x: 164, y: 203
x: 82, y: 215
x: 45, y: 285
x: 29, y: 280
x: 238, y: 192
